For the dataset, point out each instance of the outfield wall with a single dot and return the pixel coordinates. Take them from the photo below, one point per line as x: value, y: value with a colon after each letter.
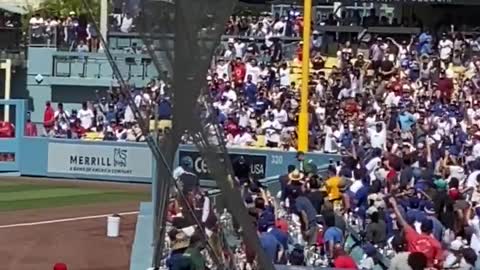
x: 117, y: 161
x: 133, y: 162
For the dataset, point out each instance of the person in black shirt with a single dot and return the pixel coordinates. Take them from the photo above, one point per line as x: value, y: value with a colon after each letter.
x: 253, y: 47
x: 284, y: 179
x: 189, y: 180
x: 337, y: 86
x: 276, y: 50
x: 241, y: 169
x: 316, y: 196
x: 317, y: 62
x: 387, y: 68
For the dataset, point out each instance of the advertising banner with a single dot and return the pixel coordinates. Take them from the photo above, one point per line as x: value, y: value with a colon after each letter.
x: 102, y: 160
x: 257, y: 163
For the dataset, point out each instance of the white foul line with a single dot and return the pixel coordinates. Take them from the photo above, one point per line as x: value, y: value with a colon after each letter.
x: 63, y: 220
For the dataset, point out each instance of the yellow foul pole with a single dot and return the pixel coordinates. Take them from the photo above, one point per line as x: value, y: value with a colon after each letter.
x: 303, y: 116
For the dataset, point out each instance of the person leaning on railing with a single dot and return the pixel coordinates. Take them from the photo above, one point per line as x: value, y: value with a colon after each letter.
x: 37, y: 25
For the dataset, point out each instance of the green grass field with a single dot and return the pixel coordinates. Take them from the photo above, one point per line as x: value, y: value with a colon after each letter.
x: 21, y: 195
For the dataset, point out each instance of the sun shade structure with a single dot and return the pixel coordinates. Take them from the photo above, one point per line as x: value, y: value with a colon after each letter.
x: 21, y: 7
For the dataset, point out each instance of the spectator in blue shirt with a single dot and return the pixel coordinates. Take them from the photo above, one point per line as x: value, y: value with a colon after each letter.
x: 111, y: 114
x: 332, y: 236
x: 308, y: 215
x: 346, y: 138
x: 221, y: 117
x: 178, y: 260
x: 438, y: 228
x: 268, y: 219
x: 250, y: 92
x: 405, y: 120
x: 164, y: 109
x: 272, y: 247
x: 261, y: 104
x: 425, y: 43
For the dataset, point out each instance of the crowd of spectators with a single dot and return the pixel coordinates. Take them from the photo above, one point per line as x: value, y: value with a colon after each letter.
x: 403, y: 113
x: 358, y: 96
x: 73, y: 32
x: 265, y: 25
x: 404, y: 116
x: 110, y: 117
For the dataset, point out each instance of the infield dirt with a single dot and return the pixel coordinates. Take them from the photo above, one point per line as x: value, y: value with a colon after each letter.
x: 81, y: 244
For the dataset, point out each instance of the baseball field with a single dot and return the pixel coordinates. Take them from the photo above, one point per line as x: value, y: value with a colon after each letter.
x: 45, y: 221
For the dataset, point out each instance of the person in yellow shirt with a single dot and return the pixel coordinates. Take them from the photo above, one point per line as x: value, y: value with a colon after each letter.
x: 332, y: 185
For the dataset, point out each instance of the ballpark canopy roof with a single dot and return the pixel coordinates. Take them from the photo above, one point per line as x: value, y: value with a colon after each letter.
x: 19, y: 6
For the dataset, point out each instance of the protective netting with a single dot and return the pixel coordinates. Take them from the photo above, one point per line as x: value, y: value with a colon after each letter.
x: 181, y: 37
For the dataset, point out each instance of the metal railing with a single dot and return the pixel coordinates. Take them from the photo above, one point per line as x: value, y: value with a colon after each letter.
x: 95, y: 65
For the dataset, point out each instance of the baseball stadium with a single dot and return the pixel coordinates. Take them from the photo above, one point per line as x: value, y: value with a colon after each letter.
x: 247, y: 135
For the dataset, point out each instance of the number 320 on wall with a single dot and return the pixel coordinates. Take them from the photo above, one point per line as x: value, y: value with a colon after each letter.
x: 277, y: 159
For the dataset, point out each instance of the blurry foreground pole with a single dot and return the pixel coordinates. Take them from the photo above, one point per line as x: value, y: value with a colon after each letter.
x: 103, y: 17
x: 7, y: 66
x: 303, y: 116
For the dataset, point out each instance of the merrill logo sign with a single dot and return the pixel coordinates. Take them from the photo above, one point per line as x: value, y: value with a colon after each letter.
x: 114, y: 164
x: 99, y: 160
x: 120, y: 157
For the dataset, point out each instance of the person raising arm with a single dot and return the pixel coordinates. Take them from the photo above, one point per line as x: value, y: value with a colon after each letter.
x: 423, y: 242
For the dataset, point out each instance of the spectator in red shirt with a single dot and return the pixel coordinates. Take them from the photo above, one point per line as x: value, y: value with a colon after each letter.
x: 282, y: 225
x: 343, y: 260
x: 231, y: 127
x: 454, y: 191
x: 393, y: 166
x: 423, y: 242
x: 239, y: 72
x: 445, y: 86
x: 30, y: 128
x: 7, y: 130
x: 300, y: 51
x: 48, y: 117
x: 76, y: 129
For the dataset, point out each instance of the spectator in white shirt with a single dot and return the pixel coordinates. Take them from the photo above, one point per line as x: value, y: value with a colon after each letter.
x: 332, y: 135
x: 243, y: 138
x: 378, y: 136
x: 229, y: 53
x: 284, y: 73
x: 272, y: 129
x: 36, y: 24
x: 86, y: 116
x: 82, y: 47
x: 129, y: 116
x: 230, y: 94
x: 280, y: 26
x: 243, y: 115
x: 253, y: 71
x: 223, y: 69
x: 280, y: 115
x: 476, y: 149
x: 126, y: 23
x: 239, y: 48
x: 62, y: 118
x: 36, y: 21
x: 445, y: 47
x: 224, y: 105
